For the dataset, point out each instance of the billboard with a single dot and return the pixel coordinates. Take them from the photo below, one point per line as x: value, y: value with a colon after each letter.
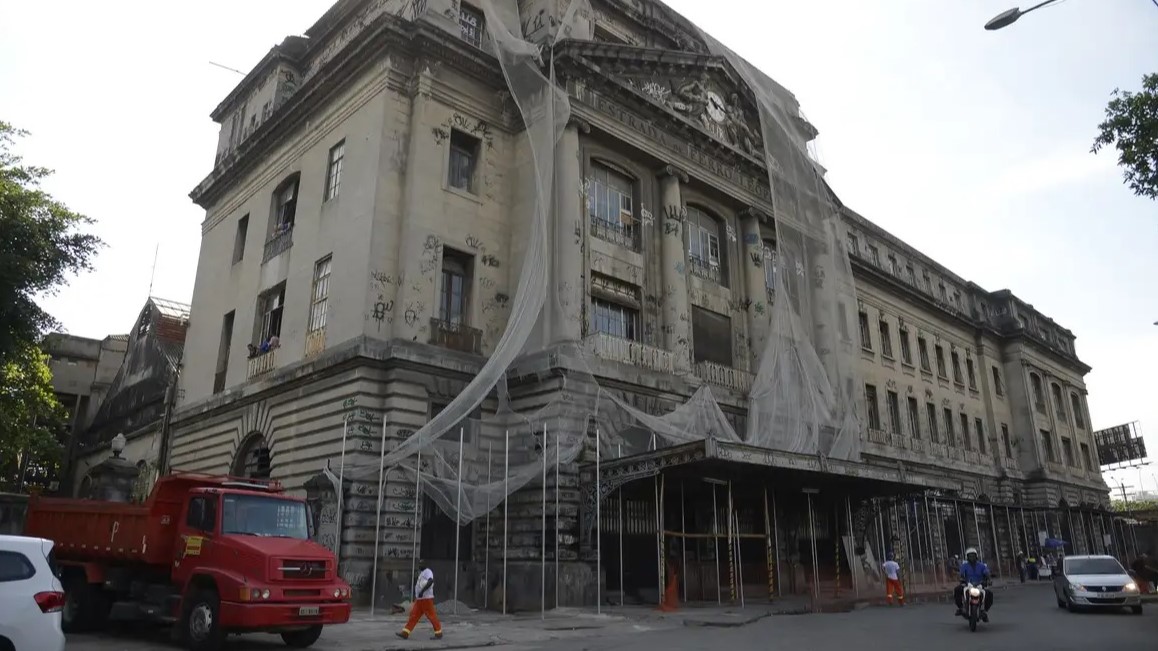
x: 1120, y: 445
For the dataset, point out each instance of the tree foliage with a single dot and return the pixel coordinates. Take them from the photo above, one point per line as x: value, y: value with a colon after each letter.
x: 30, y: 417
x: 1131, y: 125
x: 1135, y: 505
x: 41, y: 244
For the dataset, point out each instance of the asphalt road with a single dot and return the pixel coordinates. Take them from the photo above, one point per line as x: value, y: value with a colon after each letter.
x: 1024, y: 618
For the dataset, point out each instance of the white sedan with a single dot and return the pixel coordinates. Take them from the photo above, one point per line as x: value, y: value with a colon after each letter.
x: 31, y: 597
x: 1095, y: 582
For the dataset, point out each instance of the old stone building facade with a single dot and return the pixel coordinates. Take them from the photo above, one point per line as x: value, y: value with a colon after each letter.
x: 359, y: 257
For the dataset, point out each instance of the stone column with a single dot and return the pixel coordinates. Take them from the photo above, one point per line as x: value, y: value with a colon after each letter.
x: 569, y: 245
x: 759, y: 308
x: 677, y: 319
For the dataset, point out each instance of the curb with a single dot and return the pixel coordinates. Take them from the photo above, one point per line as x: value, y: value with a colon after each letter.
x: 440, y: 647
x: 707, y: 623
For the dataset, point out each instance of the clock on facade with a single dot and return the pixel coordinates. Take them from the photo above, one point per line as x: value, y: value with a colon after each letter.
x: 715, y: 106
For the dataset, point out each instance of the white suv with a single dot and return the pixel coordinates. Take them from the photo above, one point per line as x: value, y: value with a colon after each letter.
x: 31, y: 597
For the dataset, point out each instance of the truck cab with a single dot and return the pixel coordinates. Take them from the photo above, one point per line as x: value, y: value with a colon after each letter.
x: 210, y: 555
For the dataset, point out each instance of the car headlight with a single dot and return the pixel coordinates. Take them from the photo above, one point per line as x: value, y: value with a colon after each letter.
x: 1131, y: 587
x: 265, y: 594
x: 337, y: 593
x: 1077, y: 587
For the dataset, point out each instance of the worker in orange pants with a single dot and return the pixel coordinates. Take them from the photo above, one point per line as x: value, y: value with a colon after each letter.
x: 893, y: 584
x: 423, y: 604
x: 671, y: 599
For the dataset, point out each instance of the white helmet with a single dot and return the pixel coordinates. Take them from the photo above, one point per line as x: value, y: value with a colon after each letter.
x: 972, y: 550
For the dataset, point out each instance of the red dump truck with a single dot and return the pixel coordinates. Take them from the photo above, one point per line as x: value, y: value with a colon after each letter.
x: 210, y: 555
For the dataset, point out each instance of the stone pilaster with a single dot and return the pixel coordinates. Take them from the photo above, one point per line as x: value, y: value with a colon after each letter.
x: 759, y: 308
x: 569, y: 240
x: 677, y: 320
x: 419, y: 252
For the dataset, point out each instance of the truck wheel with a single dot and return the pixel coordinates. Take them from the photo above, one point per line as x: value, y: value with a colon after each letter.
x: 85, y: 606
x: 303, y: 638
x: 201, y: 622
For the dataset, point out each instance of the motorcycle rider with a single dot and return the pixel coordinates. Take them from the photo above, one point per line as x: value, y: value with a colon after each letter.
x: 975, y: 572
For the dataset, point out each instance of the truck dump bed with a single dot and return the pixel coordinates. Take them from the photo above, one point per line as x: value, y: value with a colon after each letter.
x: 118, y: 532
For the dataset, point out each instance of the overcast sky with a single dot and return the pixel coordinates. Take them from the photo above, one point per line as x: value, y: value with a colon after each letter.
x: 970, y: 145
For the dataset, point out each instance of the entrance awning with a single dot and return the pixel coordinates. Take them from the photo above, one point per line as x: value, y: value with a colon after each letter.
x: 616, y: 472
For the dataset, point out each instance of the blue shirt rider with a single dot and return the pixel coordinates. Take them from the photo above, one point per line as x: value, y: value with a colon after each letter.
x: 975, y: 572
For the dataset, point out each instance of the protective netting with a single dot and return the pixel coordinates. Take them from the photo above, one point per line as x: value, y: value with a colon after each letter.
x: 801, y: 397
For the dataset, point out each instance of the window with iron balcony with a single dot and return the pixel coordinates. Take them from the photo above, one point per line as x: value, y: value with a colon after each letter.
x: 611, y: 206
x: 285, y: 205
x: 450, y: 328
x: 705, y: 251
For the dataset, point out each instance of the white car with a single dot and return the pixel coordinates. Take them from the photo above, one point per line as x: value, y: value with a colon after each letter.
x: 1095, y: 582
x: 31, y: 597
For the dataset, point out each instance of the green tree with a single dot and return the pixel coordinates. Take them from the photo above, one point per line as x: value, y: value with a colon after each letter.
x: 1131, y: 125
x: 1134, y: 505
x: 41, y: 244
x: 30, y: 418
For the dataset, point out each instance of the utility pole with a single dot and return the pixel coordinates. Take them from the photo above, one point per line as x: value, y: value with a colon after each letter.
x: 166, y: 433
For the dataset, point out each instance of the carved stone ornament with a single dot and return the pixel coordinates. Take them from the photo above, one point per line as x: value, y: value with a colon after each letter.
x: 718, y: 111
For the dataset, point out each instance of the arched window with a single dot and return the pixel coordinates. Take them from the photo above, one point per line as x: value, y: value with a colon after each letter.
x: 1059, y: 404
x: 705, y: 245
x: 252, y: 459
x: 1038, y: 397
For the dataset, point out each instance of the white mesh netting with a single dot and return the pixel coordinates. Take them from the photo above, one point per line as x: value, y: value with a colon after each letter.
x: 802, y: 397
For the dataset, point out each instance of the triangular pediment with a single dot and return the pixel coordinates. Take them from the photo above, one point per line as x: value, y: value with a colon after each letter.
x: 703, y: 90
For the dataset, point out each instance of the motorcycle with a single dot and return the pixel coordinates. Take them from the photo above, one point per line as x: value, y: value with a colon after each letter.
x: 974, y: 604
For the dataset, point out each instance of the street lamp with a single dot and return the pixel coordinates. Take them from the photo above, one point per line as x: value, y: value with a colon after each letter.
x: 1008, y: 17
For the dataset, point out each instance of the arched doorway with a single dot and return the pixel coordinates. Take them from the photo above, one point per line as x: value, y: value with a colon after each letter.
x: 252, y: 460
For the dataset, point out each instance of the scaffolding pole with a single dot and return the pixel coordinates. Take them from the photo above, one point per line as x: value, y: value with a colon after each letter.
x: 622, y: 591
x: 598, y: 526
x: 683, y: 542
x: 851, y: 545
x: 458, y: 517
x: 487, y: 558
x: 414, y: 532
x: 993, y: 530
x: 506, y: 509
x: 543, y: 534
x: 341, y: 493
x: 776, y: 546
x: 378, y: 516
x: 557, y: 446
x: 772, y: 572
x: 960, y: 527
x: 977, y: 529
x: 716, y: 541
x: 739, y: 557
x: 934, y: 557
x: 812, y: 544
x: 731, y: 549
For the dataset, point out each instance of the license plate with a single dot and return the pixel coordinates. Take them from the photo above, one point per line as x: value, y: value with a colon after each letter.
x: 309, y: 611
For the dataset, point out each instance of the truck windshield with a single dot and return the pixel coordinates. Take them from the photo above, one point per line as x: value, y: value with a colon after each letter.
x: 255, y: 515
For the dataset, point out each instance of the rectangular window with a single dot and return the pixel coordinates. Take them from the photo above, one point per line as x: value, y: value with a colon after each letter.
x: 1047, y: 446
x: 464, y: 154
x: 454, y: 299
x: 866, y: 339
x: 923, y: 351
x: 894, y: 405
x: 853, y: 244
x: 223, y: 349
x: 1006, y: 442
x: 950, y: 432
x: 286, y: 207
x: 1038, y: 396
x: 956, y: 359
x: 979, y: 429
x: 705, y: 256
x: 334, y: 170
x: 320, y: 298
x: 941, y: 362
x: 910, y: 274
x: 926, y: 281
x: 870, y: 400
x: 610, y: 206
x: 614, y: 319
x: 965, y: 438
x: 942, y: 292
x: 239, y: 239
x: 711, y: 337
x: 470, y: 22
x: 1068, y: 452
x: 997, y: 386
x: 874, y: 254
x: 886, y: 339
x: 893, y: 266
x: 906, y: 346
x: 1076, y: 405
x: 931, y: 417
x: 1086, y: 458
x: 914, y: 418
x: 970, y: 374
x: 271, y: 306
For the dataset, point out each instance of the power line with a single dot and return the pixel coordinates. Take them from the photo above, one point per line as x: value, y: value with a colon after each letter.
x: 212, y: 63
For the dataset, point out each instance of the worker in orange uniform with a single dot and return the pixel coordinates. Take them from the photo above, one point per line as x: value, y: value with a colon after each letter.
x: 423, y: 603
x: 671, y: 599
x: 893, y: 581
